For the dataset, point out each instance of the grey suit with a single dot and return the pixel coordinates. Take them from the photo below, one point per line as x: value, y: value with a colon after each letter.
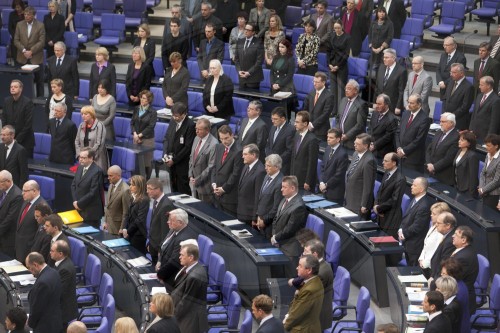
x: 489, y: 181
x: 117, y: 207
x: 355, y: 121
x: 9, y: 213
x: 268, y: 201
x: 422, y: 86
x: 199, y: 168
x: 324, y: 28
x: 359, y: 184
x: 260, y: 22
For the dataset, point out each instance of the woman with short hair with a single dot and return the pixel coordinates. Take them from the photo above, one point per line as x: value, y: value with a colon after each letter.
x: 92, y: 133
x: 162, y: 306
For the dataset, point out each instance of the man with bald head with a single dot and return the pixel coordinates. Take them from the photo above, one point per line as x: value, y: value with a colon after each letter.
x: 10, y: 204
x: 13, y: 156
x: 77, y: 327
x: 117, y: 201
x: 450, y: 56
x: 419, y: 82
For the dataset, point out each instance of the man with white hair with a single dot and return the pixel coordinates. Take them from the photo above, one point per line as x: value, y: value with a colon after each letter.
x: 391, y: 80
x: 441, y: 152
x: 10, y: 204
x: 118, y: 201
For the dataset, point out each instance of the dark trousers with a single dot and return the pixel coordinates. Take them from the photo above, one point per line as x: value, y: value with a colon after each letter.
x: 491, y: 201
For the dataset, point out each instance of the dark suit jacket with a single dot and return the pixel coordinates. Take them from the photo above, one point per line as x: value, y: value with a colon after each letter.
x: 383, y: 133
x: 257, y: 134
x: 16, y: 163
x: 443, y: 252
x: 216, y: 52
x: 268, y: 201
x: 326, y: 275
x: 249, y: 187
x: 222, y: 96
x: 35, y: 42
x: 9, y: 216
x: 412, y: 139
x: 305, y: 160
x: 250, y: 60
x: 54, y: 30
x: 459, y: 103
x: 440, y: 324
x: 44, y: 300
x: 443, y: 70
x: 282, y: 146
x: 388, y: 202
x: 333, y: 173
x: 227, y: 174
x: 67, y: 272
x: 88, y: 192
x: 21, y: 121
x: 468, y: 258
x: 68, y: 72
x: 491, y: 68
x: 466, y: 171
x: 272, y: 325
x: 319, y: 113
x: 108, y: 73
x: 397, y: 14
x: 190, y: 300
x: 62, y: 147
x: 149, y: 49
x: 453, y: 312
x: 176, y: 86
x: 135, y: 223
x: 62, y: 237
x: 144, y: 124
x: 441, y: 155
x: 168, y: 324
x: 143, y: 80
x: 359, y: 185
x: 158, y: 228
x: 415, y: 225
x: 355, y: 123
x: 287, y: 222
x: 25, y: 232
x: 486, y: 118
x: 41, y: 243
x: 395, y: 85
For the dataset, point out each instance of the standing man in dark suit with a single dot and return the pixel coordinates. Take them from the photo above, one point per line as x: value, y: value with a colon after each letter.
x: 396, y: 12
x: 450, y: 56
x: 411, y: 135
x: 391, y: 80
x: 60, y: 255
x: 262, y: 309
x: 433, y: 304
x: 41, y: 241
x: 190, y: 293
x: 304, y: 154
x: 383, y: 127
x: 61, y: 66
x: 168, y: 264
x: 442, y: 150
x: 27, y: 225
x: 87, y: 190
x: 419, y: 82
x: 269, y: 195
x: 63, y: 132
x: 226, y: 171
x: 485, y: 118
x: 389, y: 197
x: 176, y: 34
x: 248, y: 59
x: 53, y: 227
x: 158, y: 229
x: 253, y: 129
x: 250, y: 184
x: 18, y: 112
x: 118, y: 201
x: 280, y: 138
x: 495, y: 44
x: 351, y: 114
x: 13, y: 156
x: 319, y: 103
x: 445, y: 225
x: 290, y: 218
x: 178, y: 143
x: 10, y: 205
x: 360, y: 178
x: 335, y: 163
x: 200, y: 21
x: 415, y: 222
x: 210, y: 48
x: 29, y: 40
x: 44, y: 297
x: 459, y: 96
x: 485, y: 66
x: 202, y: 159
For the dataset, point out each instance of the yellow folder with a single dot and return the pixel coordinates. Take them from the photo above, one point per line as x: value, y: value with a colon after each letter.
x: 71, y: 216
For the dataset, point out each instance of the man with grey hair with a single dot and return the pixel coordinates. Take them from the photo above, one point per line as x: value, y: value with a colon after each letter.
x: 419, y: 82
x: 269, y: 195
x: 168, y: 257
x: 383, y: 127
x: 200, y: 21
x: 440, y: 154
x: 459, y: 96
x: 77, y: 327
x: 253, y: 129
x: 445, y: 225
x: 391, y: 80
x: 450, y: 56
x: 64, y: 67
x: 13, y: 156
x: 485, y: 117
x: 117, y: 203
x: 63, y: 133
x: 485, y: 66
x: 10, y: 205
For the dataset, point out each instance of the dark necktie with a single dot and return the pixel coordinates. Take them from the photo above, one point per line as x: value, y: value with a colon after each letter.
x: 331, y: 154
x: 344, y: 115
x: 410, y: 120
x: 58, y: 62
x: 353, y: 166
x: 266, y: 183
x: 2, y: 197
x: 386, y: 76
x: 247, y: 44
x: 481, y: 68
x: 297, y: 144
x: 58, y: 122
x: 155, y: 205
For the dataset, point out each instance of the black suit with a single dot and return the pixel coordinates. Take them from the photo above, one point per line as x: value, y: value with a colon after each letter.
x: 249, y: 188
x: 440, y: 324
x: 466, y: 171
x: 69, y: 307
x: 45, y: 305
x: 9, y: 215
x: 388, y: 202
x: 444, y: 66
x: 491, y: 68
x: 172, y: 44
x: 135, y: 223
x: 16, y: 163
x: 61, y: 237
x: 486, y: 117
x: 459, y: 102
x: 41, y: 243
x: 250, y: 60
x: 141, y: 82
x: 216, y: 52
x: 415, y: 225
x: 468, y: 258
x: 62, y: 146
x: 394, y: 86
x: 67, y: 71
x: 272, y: 325
x: 443, y: 252
x: 167, y: 324
x: 383, y: 132
x: 227, y: 175
x: 178, y: 143
x: 453, y: 312
x: 319, y: 113
x: 87, y: 191
x: 305, y: 159
x: 108, y: 73
x: 149, y: 49
x: 22, y: 121
x: 441, y: 153
x: 26, y: 230
x: 268, y: 201
x: 257, y: 133
x: 158, y: 228
x: 223, y: 96
x: 411, y: 138
x: 333, y: 173
x: 355, y: 120
x: 397, y: 14
x: 282, y: 146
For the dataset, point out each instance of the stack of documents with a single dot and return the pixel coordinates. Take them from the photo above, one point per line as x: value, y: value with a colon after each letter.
x: 242, y: 233
x: 139, y: 262
x: 341, y: 212
x: 12, y: 266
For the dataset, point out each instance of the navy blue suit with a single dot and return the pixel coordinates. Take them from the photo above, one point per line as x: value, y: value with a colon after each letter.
x: 333, y: 173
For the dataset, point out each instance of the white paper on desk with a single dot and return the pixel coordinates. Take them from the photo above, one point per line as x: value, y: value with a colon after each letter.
x: 229, y: 223
x: 415, y: 330
x: 13, y: 262
x: 204, y: 116
x: 412, y: 278
x: 178, y: 197
x: 139, y: 262
x: 148, y: 276
x: 15, y: 269
x: 188, y: 200
x: 29, y: 67
x: 23, y: 278
x: 158, y: 290
x: 164, y: 111
x: 282, y: 94
x: 417, y: 297
x: 244, y: 233
x: 341, y: 212
x: 417, y: 317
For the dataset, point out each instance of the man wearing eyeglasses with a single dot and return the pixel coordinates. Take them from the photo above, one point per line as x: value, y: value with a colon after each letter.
x: 10, y: 204
x: 248, y: 59
x: 13, y: 156
x: 445, y: 225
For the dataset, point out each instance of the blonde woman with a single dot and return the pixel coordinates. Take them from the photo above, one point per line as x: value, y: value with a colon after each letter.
x: 92, y: 133
x: 138, y: 75
x: 272, y: 38
x: 58, y: 96
x: 125, y: 325
x: 102, y: 69
x: 144, y: 40
x: 162, y: 306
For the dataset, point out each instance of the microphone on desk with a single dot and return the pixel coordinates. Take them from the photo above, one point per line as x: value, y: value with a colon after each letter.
x: 465, y: 39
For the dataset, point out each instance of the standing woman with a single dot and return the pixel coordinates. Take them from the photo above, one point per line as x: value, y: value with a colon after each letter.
x: 143, y: 124
x: 162, y: 306
x: 138, y: 76
x: 16, y: 16
x: 105, y: 108
x: 54, y: 27
x: 176, y: 81
x: 102, y: 69
x: 489, y: 180
x: 307, y: 49
x: 218, y: 92
x: 144, y: 40
x: 466, y: 164
x: 380, y: 36
x: 237, y: 32
x: 259, y: 17
x: 135, y: 221
x: 338, y: 47
x: 58, y: 96
x: 281, y: 74
x: 67, y: 8
x: 92, y: 134
x: 272, y: 38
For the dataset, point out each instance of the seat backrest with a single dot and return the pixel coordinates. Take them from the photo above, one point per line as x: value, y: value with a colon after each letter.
x: 315, y: 224
x: 265, y: 85
x: 84, y: 90
x: 76, y: 117
x: 195, y: 103
x: 216, y: 269
x: 47, y: 186
x: 112, y: 25
x: 100, y: 7
x: 206, y: 246
x: 134, y: 8
x: 104, y: 327
x: 437, y: 111
x: 5, y: 17
x: 40, y: 14
x: 106, y: 287
x: 296, y: 32
x: 246, y: 325
x: 332, y: 250
x: 405, y: 202
x: 121, y: 93
x: 341, y: 290
x: 362, y: 304
x: 125, y: 159
x: 93, y: 271
x: 233, y: 310
x: 376, y: 187
x: 451, y: 11
x: 483, y: 275
x: 108, y: 310
x: 357, y: 69
x: 232, y: 73
x: 369, y: 322
x: 158, y: 100
x: 240, y: 107
x: 495, y: 294
x: 158, y: 67
x: 84, y: 23
x: 160, y: 131
x: 230, y: 284
x: 78, y: 252
x: 122, y: 129
x: 463, y: 300
x: 42, y: 146
x: 293, y: 16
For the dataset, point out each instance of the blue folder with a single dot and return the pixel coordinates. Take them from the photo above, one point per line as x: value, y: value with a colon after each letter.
x: 116, y: 242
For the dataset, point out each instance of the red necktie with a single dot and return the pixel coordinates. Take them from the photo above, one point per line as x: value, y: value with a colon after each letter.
x: 481, y: 68
x: 197, y: 150
x: 409, y: 121
x: 25, y: 211
x: 414, y: 80
x: 226, y: 151
x: 360, y: 3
